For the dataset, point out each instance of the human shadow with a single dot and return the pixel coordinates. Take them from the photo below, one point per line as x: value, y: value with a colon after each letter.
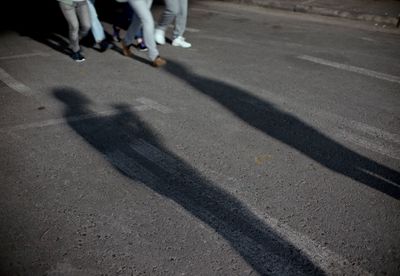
x: 133, y: 149
x: 292, y: 131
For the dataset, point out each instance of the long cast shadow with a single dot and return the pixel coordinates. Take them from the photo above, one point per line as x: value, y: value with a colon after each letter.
x: 292, y: 131
x: 136, y: 151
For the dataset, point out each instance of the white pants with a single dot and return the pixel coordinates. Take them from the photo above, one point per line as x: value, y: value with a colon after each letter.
x: 174, y: 9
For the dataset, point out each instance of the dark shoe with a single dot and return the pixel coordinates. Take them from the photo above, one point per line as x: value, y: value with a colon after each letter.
x: 125, y: 50
x: 142, y: 47
x: 158, y: 62
x: 104, y: 45
x: 77, y: 57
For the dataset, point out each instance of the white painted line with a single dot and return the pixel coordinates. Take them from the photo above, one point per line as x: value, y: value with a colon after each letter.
x: 368, y: 137
x: 192, y: 30
x: 337, y: 122
x: 362, y: 127
x: 55, y: 122
x: 327, y: 260
x: 388, y: 150
x: 40, y: 54
x: 147, y: 104
x: 154, y: 105
x: 223, y: 39
x: 351, y: 68
x: 14, y: 84
x: 216, y: 12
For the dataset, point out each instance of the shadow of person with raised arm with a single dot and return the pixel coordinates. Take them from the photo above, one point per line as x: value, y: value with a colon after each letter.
x: 292, y: 131
x: 135, y: 151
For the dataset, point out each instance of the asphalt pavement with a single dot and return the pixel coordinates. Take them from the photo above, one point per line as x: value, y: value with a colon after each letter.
x: 382, y: 12
x: 271, y: 147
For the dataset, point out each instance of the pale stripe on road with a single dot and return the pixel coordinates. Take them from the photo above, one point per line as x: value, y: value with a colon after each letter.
x: 388, y: 150
x: 216, y: 12
x: 350, y: 68
x: 154, y: 105
x: 192, y: 30
x: 368, y: 137
x: 55, y: 122
x: 14, y: 84
x: 362, y: 127
x: 36, y: 54
x: 373, y: 141
x: 321, y: 256
x: 147, y: 104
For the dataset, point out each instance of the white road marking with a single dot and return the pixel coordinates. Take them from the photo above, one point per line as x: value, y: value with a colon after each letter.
x: 321, y: 256
x: 192, y: 30
x: 369, y: 137
x: 147, y: 104
x: 337, y: 122
x: 351, y: 68
x: 223, y: 39
x: 362, y: 127
x: 14, y: 84
x: 216, y: 12
x: 390, y: 151
x: 187, y: 29
x: 35, y: 54
x: 154, y: 105
x: 55, y: 122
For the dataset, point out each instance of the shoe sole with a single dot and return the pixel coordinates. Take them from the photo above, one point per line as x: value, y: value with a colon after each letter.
x: 182, y: 46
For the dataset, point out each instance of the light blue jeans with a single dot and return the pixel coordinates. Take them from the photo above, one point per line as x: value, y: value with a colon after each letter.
x: 97, y: 28
x: 142, y: 17
x: 174, y: 9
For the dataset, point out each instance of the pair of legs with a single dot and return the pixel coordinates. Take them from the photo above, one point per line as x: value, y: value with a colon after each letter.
x: 174, y: 10
x: 142, y: 18
x: 123, y: 14
x: 77, y: 16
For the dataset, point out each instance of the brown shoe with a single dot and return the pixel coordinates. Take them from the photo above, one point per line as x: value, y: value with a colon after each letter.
x: 125, y: 49
x: 158, y: 62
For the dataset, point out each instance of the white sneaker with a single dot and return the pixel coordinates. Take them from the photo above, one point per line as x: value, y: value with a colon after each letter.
x: 159, y: 36
x: 180, y: 41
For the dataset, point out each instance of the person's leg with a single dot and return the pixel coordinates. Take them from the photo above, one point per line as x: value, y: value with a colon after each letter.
x: 142, y: 11
x: 180, y: 25
x: 139, y: 34
x: 167, y: 17
x: 82, y: 11
x: 170, y: 12
x: 133, y: 28
x: 97, y: 28
x: 70, y: 15
x: 181, y: 17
